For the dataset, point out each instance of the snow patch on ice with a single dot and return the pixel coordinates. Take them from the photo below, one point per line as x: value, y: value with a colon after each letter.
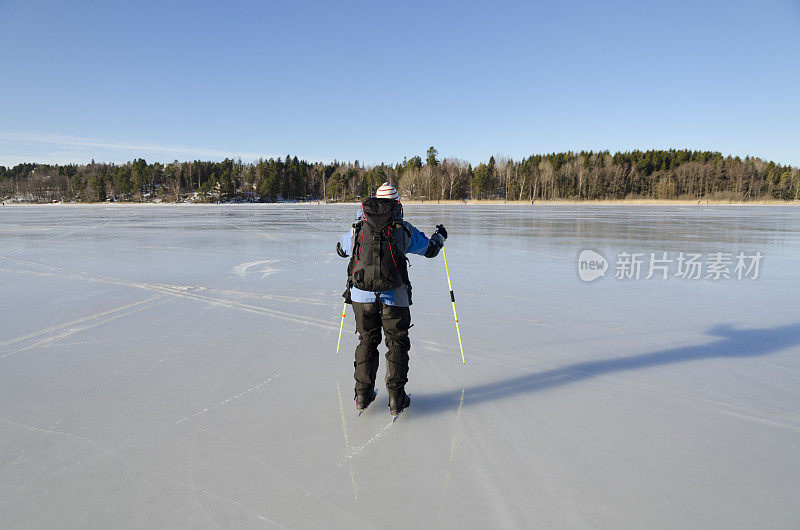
x: 253, y: 267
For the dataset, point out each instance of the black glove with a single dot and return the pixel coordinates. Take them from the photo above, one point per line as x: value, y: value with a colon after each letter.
x: 436, y: 242
x: 340, y: 251
x: 434, y: 246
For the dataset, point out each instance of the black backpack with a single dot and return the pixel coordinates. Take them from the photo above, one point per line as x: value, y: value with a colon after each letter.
x: 377, y: 263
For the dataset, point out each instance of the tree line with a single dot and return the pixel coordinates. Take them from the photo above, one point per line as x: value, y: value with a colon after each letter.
x: 586, y: 175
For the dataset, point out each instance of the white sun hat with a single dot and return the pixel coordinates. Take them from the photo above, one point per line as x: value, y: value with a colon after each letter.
x: 387, y: 191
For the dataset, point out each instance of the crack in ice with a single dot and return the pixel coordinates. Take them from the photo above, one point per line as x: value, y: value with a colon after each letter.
x: 226, y: 401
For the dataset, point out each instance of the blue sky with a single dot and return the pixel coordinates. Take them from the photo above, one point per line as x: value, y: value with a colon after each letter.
x: 377, y: 81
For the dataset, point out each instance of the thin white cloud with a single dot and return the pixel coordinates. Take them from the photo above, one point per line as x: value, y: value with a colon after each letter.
x: 9, y: 160
x: 78, y: 141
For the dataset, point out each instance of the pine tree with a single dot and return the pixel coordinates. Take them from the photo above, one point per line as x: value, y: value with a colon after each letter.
x: 431, y: 157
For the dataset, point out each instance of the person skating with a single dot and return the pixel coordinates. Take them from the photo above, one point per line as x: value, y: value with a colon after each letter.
x: 380, y: 291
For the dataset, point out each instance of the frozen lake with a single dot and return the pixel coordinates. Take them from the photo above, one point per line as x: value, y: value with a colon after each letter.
x: 175, y: 367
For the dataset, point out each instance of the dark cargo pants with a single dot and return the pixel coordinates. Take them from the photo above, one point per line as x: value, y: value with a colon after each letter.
x: 395, y: 322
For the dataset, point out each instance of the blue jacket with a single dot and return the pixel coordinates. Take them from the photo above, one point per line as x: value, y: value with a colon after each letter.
x: 416, y: 244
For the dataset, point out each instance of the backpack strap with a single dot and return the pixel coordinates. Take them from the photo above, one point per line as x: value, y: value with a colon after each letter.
x: 404, y: 269
x: 370, y: 272
x: 355, y: 253
x: 406, y: 229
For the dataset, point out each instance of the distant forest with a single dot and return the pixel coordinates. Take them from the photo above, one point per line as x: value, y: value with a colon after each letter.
x: 653, y: 174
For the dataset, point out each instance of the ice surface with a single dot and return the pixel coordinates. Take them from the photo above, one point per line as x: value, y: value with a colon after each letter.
x: 174, y: 366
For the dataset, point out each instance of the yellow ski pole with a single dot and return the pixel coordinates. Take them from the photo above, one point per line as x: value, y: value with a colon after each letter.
x: 453, y: 300
x: 341, y: 327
